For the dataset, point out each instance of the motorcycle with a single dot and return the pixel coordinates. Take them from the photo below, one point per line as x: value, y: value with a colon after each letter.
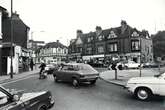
x: 43, y: 74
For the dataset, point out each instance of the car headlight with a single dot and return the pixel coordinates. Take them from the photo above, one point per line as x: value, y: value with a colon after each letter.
x: 46, y: 68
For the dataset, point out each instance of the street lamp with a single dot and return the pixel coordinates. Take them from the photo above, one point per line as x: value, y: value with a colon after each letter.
x: 11, y: 46
x: 140, y: 57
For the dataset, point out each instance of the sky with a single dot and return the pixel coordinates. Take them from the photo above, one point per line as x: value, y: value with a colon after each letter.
x: 51, y: 20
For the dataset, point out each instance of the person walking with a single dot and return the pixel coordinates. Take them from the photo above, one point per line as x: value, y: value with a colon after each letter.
x: 31, y: 64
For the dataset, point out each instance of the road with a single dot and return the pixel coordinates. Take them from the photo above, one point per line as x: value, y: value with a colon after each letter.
x: 102, y: 96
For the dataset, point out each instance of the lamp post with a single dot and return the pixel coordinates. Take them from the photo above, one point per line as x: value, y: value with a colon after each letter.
x: 11, y: 48
x: 140, y: 57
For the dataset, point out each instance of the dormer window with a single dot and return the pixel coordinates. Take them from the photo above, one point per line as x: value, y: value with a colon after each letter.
x: 112, y: 35
x: 100, y: 38
x: 135, y: 34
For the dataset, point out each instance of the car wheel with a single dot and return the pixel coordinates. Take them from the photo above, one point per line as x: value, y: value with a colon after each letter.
x: 42, y: 107
x: 75, y: 82
x: 55, y: 78
x: 93, y: 82
x: 143, y: 93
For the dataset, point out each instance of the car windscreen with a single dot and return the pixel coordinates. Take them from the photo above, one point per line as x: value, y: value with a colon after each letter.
x: 87, y: 69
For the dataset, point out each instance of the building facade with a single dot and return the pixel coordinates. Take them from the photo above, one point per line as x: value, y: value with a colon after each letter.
x: 52, y: 52
x: 20, y: 53
x: 103, y: 46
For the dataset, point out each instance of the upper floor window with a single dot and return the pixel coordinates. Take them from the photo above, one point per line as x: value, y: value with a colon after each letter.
x: 79, y: 49
x: 100, y: 49
x: 89, y: 39
x: 89, y: 50
x: 135, y: 34
x: 100, y: 37
x: 112, y: 35
x: 112, y: 47
x: 135, y: 45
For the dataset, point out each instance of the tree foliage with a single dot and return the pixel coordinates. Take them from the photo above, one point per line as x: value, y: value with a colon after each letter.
x: 159, y: 44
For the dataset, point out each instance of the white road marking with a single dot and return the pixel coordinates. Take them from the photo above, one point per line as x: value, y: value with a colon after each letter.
x: 16, y: 80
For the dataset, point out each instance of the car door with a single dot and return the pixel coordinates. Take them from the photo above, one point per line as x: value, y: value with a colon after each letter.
x: 61, y: 74
x: 68, y: 73
x: 161, y: 85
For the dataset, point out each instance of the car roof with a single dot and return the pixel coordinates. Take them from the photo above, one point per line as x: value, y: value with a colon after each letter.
x: 76, y: 64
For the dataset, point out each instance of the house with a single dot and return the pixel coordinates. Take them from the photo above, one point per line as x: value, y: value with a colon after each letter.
x: 118, y: 43
x: 20, y: 53
x: 52, y: 51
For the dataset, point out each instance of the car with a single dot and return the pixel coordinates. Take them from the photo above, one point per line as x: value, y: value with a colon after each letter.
x: 131, y: 65
x: 50, y: 68
x: 18, y: 100
x: 76, y: 73
x: 144, y: 88
x: 152, y: 65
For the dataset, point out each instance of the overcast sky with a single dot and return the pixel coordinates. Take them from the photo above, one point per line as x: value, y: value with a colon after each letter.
x: 59, y: 19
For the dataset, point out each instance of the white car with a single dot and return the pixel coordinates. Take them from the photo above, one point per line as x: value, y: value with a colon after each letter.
x: 144, y: 88
x: 131, y: 64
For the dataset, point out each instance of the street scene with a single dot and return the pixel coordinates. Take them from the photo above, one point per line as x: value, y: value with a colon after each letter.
x: 79, y: 55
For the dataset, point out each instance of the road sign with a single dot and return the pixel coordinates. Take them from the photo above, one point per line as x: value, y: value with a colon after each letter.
x: 159, y: 59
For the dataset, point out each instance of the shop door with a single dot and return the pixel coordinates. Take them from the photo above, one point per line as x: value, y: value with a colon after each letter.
x: 4, y: 65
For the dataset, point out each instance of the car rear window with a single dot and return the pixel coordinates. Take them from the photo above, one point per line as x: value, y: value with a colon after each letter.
x: 87, y: 69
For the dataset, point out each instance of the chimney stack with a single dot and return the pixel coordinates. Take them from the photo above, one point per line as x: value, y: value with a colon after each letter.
x: 98, y: 30
x: 79, y: 33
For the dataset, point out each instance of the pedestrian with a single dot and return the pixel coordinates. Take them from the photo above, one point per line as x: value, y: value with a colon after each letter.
x: 31, y: 64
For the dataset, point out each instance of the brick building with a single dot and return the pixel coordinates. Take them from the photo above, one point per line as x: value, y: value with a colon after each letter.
x: 20, y: 53
x: 122, y: 43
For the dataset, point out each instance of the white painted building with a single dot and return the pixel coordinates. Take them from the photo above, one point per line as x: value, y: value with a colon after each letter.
x: 53, y: 51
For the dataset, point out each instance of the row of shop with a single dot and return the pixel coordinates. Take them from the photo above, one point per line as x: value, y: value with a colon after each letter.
x: 21, y: 59
x: 110, y: 58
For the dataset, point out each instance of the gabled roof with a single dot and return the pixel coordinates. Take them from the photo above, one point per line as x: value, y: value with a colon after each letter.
x: 16, y: 19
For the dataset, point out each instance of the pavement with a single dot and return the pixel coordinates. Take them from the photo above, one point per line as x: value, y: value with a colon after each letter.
x: 6, y: 78
x: 124, y: 75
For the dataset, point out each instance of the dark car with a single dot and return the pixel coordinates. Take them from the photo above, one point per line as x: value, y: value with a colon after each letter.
x: 76, y: 73
x: 18, y: 100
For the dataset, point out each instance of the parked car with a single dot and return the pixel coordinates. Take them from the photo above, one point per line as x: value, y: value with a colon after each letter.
x: 76, y: 73
x: 132, y: 65
x: 144, y: 88
x: 152, y: 65
x: 18, y: 100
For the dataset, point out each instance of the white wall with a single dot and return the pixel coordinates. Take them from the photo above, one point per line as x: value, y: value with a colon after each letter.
x: 17, y: 51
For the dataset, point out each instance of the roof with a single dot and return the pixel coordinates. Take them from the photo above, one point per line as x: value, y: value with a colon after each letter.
x: 54, y: 45
x: 3, y: 9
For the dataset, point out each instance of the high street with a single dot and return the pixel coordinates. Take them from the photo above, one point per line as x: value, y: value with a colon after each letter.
x: 102, y: 96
